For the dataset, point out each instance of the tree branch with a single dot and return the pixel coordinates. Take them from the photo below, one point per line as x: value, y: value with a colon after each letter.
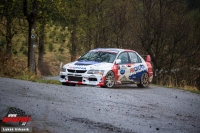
x: 25, y: 8
x: 2, y: 33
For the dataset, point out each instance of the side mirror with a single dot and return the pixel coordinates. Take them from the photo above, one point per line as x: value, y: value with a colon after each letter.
x: 148, y: 58
x: 118, y: 61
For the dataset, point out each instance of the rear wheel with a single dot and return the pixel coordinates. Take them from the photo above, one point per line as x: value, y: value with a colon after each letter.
x: 68, y: 84
x: 110, y: 80
x: 144, y: 81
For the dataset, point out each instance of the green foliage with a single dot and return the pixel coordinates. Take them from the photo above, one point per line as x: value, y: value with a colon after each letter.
x: 23, y: 44
x: 51, y: 47
x: 31, y: 77
x: 21, y: 48
x: 60, y: 57
x: 61, y: 50
x: 195, y: 91
x: 2, y: 45
x: 52, y: 34
x: 15, y: 52
x: 25, y: 52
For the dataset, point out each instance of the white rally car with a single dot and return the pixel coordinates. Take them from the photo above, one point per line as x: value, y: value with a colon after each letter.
x: 107, y: 67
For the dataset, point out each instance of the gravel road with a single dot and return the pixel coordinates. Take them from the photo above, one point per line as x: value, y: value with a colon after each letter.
x: 89, y: 109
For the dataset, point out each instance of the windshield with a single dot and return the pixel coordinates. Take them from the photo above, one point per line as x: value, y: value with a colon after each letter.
x: 98, y: 56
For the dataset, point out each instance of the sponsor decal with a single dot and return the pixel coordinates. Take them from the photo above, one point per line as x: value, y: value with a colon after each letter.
x: 80, y: 68
x: 106, y: 50
x: 137, y: 72
x: 122, y: 71
x: 123, y: 67
x: 136, y: 76
x: 138, y: 68
x: 86, y: 62
x: 77, y: 67
x: 16, y: 115
x: 132, y: 70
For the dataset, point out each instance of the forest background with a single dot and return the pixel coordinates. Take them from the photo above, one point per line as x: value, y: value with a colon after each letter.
x: 37, y: 35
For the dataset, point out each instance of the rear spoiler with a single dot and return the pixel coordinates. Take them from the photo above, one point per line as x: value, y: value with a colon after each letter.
x: 147, y: 58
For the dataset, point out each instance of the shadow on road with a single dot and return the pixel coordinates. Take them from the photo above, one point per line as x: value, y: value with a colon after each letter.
x: 119, y: 87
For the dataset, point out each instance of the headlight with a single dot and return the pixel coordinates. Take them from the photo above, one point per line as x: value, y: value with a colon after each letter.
x: 95, y: 72
x: 63, y: 69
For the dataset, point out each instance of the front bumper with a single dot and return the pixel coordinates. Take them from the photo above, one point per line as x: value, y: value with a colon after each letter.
x: 81, y: 78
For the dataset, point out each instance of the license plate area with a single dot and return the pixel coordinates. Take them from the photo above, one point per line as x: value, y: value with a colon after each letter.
x: 72, y: 78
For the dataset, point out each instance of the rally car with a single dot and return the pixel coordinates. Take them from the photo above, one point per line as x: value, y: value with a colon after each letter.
x: 107, y: 67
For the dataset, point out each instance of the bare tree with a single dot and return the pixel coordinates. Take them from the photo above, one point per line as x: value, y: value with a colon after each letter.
x: 9, y: 12
x: 31, y: 18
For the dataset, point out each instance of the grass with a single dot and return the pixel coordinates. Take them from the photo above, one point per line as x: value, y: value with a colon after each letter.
x: 171, y: 82
x: 186, y: 88
x: 195, y: 91
x: 191, y: 89
x: 38, y: 79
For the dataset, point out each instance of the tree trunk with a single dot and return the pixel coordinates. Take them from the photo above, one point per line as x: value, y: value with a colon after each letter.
x: 8, y: 47
x: 31, y: 18
x: 9, y: 38
x: 31, y: 48
x: 41, y: 48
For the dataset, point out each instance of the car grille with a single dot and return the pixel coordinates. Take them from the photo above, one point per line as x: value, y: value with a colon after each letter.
x: 72, y: 78
x: 76, y: 71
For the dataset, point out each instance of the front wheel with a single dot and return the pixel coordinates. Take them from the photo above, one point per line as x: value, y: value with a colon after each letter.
x: 110, y: 80
x: 144, y: 81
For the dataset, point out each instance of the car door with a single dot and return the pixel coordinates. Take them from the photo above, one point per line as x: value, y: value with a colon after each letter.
x: 124, y: 67
x: 136, y: 68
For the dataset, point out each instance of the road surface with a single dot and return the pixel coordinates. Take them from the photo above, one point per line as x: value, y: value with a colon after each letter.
x: 92, y: 109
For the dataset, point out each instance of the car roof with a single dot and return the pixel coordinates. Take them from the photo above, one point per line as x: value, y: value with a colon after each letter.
x: 114, y: 50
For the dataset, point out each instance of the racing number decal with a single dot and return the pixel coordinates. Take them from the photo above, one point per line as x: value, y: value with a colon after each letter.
x: 131, y: 70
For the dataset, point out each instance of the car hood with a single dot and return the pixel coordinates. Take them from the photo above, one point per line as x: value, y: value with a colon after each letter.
x: 87, y: 65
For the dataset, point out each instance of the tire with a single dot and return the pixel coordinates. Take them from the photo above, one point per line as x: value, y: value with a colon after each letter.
x: 110, y: 80
x: 68, y: 84
x: 144, y: 81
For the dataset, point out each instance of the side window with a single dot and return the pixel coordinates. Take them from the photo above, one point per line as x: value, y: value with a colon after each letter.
x: 124, y: 58
x: 134, y: 58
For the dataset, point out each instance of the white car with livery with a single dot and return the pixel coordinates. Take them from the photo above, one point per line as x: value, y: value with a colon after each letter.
x: 107, y: 67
